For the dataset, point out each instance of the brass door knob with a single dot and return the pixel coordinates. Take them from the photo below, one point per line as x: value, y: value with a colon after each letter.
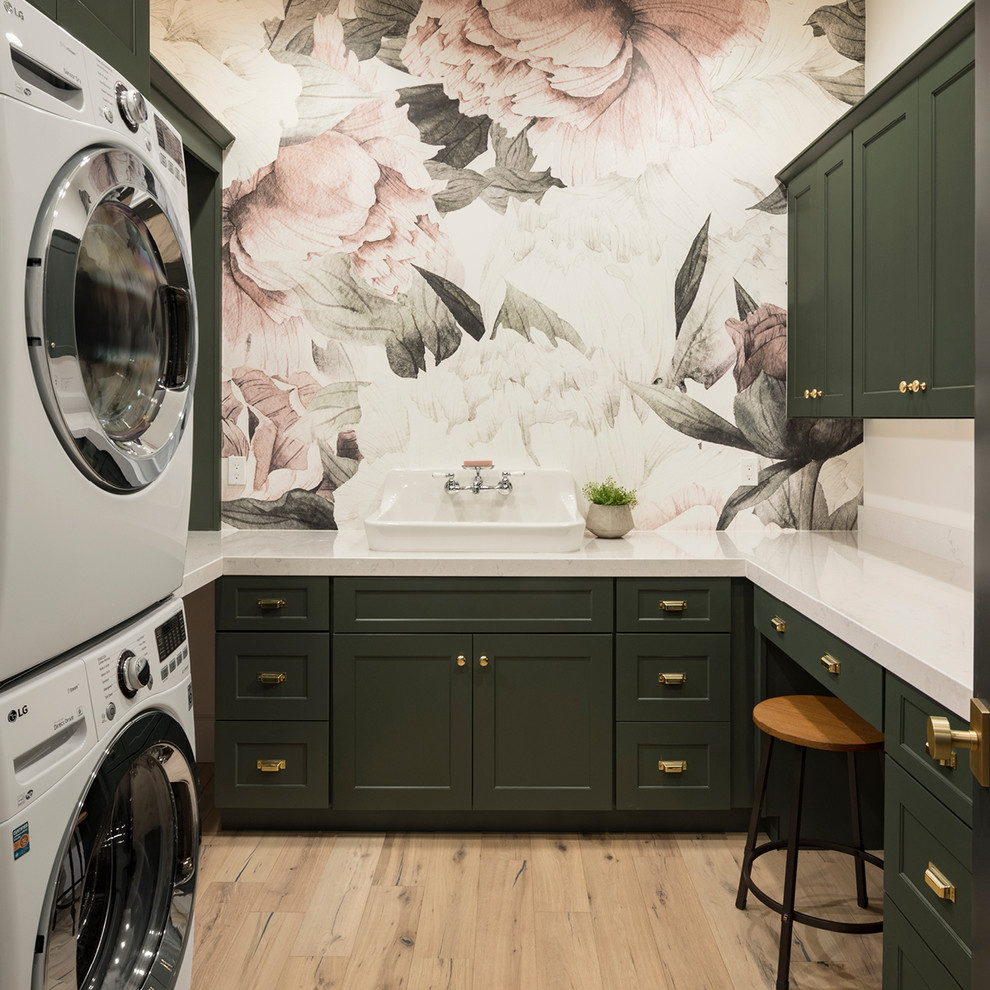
x: 914, y: 386
x: 943, y: 739
x: 813, y: 393
x: 483, y: 661
x: 461, y: 660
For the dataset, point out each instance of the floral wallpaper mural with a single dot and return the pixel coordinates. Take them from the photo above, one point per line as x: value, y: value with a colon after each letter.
x: 548, y: 234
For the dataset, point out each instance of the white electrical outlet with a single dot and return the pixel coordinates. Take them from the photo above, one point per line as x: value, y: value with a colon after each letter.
x: 236, y: 470
x: 750, y: 471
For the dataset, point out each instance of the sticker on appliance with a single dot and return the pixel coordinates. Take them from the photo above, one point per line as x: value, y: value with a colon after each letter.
x: 22, y: 840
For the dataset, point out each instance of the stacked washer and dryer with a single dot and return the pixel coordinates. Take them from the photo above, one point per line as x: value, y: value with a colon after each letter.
x: 99, y: 804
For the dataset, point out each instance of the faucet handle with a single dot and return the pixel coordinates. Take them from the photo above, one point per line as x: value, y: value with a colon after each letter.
x: 513, y: 474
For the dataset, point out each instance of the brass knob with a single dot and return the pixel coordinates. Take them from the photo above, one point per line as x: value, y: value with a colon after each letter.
x: 271, y: 603
x: 914, y: 386
x: 944, y: 889
x: 831, y: 664
x: 942, y: 739
x: 813, y: 393
x: 778, y: 623
x: 672, y: 678
x: 271, y: 677
x: 461, y: 660
x: 483, y: 660
x: 672, y: 766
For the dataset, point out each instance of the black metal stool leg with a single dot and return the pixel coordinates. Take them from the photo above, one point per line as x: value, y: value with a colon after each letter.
x: 754, y: 822
x: 790, y: 871
x: 857, y: 833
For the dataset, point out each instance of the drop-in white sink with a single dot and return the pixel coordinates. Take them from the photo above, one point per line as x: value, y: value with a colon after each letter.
x: 539, y: 515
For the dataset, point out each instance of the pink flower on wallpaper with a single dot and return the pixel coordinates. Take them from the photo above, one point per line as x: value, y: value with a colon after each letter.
x: 258, y: 416
x: 608, y: 85
x: 360, y: 188
x: 761, y: 344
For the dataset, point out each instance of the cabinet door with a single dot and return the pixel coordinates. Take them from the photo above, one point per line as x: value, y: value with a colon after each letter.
x: 946, y: 132
x: 542, y: 722
x: 117, y: 30
x: 819, y: 292
x: 887, y: 333
x: 401, y: 722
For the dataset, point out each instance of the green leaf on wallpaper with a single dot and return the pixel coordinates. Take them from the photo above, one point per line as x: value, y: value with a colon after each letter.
x: 774, y: 203
x: 524, y: 314
x: 689, y: 276
x: 844, y: 27
x: 504, y: 184
x: 440, y: 122
x: 848, y: 87
x: 326, y: 98
x: 761, y: 413
x: 297, y: 509
x: 294, y: 30
x: 390, y: 53
x: 702, y: 355
x: 363, y: 36
x: 745, y: 303
x: 464, y: 309
x: 339, y: 404
x: 688, y: 416
x: 463, y: 186
x: 336, y: 469
x: 512, y: 152
x: 398, y: 14
x: 768, y: 482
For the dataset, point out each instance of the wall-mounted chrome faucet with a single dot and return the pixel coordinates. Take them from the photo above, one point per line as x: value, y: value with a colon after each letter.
x: 503, y: 487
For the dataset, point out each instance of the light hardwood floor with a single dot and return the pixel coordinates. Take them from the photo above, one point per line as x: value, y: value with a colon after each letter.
x: 526, y: 911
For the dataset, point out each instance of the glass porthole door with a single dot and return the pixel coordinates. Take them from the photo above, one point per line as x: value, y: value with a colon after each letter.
x: 111, y: 318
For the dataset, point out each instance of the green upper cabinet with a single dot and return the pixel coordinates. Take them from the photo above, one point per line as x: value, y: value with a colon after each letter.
x: 880, y: 246
x: 913, y: 206
x: 116, y: 30
x: 819, y: 291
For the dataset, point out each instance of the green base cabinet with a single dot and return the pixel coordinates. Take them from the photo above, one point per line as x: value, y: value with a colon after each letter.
x: 908, y: 962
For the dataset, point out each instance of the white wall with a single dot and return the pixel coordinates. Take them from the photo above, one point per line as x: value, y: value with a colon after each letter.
x: 918, y: 468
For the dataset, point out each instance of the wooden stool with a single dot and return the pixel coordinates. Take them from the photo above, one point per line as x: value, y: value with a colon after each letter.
x: 808, y: 722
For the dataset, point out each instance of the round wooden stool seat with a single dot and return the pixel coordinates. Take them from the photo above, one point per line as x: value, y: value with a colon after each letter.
x: 817, y: 722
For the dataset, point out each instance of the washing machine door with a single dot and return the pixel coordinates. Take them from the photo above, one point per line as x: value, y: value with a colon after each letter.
x: 111, y: 318
x: 121, y: 894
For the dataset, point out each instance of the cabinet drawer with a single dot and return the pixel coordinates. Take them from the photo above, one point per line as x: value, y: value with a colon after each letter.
x: 290, y: 604
x: 273, y: 676
x: 672, y: 677
x: 478, y: 604
x: 906, y: 724
x: 858, y: 681
x: 641, y: 747
x: 303, y: 748
x: 908, y: 963
x: 921, y: 833
x: 678, y: 604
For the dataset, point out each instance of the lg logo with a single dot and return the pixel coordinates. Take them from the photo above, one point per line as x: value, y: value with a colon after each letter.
x: 15, y: 713
x: 11, y: 9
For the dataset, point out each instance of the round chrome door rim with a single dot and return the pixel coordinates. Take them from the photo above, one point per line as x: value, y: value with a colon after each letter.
x: 91, y: 180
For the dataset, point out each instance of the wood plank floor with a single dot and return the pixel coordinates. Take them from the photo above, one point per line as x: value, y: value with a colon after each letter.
x: 522, y: 911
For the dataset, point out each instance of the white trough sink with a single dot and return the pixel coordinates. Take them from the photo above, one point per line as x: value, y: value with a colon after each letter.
x: 539, y: 515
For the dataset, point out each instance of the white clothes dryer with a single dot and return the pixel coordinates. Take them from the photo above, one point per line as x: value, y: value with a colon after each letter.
x: 99, y: 806
x: 97, y: 346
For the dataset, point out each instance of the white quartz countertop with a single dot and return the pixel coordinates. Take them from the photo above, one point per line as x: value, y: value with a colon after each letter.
x: 911, y: 612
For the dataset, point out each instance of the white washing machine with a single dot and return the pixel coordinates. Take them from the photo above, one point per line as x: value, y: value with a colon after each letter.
x: 97, y: 346
x: 100, y: 812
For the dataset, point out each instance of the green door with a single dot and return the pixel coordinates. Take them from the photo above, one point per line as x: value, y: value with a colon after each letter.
x: 886, y: 321
x: 542, y: 721
x: 819, y: 300
x: 117, y: 30
x: 401, y: 722
x: 947, y: 125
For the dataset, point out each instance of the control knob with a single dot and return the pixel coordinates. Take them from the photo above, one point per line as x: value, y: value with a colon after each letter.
x: 133, y: 673
x: 132, y: 107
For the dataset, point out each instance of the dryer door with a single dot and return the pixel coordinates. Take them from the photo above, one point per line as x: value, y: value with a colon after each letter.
x: 111, y: 318
x: 122, y: 890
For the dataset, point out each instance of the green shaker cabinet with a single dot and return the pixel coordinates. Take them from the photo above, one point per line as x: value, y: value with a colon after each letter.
x: 819, y: 289
x: 117, y: 30
x: 880, y: 246
x: 485, y: 720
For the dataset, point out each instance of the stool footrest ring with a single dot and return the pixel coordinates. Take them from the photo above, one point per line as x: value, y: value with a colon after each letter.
x: 813, y: 921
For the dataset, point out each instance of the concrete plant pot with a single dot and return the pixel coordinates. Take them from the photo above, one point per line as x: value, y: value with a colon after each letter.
x: 609, y: 521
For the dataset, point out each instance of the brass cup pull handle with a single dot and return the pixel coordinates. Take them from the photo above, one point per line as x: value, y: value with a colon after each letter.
x: 269, y: 604
x: 779, y: 624
x: 672, y: 766
x: 483, y: 661
x: 672, y: 678
x: 914, y: 386
x: 672, y: 606
x: 831, y: 664
x: 944, y: 889
x: 271, y: 677
x: 461, y: 660
x: 271, y: 766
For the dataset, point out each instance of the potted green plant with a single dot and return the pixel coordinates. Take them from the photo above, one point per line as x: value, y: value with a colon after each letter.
x: 610, y: 513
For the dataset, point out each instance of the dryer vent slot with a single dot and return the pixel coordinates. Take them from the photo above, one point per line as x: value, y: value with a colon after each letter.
x: 36, y: 74
x: 50, y: 750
